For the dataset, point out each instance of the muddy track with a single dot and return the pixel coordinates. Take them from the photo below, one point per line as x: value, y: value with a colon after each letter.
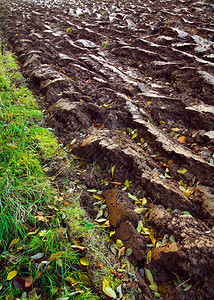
x: 133, y: 83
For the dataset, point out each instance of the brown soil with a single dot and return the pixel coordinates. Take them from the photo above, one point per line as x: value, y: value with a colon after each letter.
x: 133, y: 83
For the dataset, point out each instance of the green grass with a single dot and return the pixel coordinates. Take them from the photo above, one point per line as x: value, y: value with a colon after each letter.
x: 30, y: 222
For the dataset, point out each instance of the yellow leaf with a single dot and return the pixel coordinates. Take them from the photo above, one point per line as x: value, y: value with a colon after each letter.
x: 153, y: 287
x: 10, y: 297
x: 139, y: 210
x: 84, y: 278
x: 98, y: 197
x: 112, y: 171
x: 33, y: 232
x: 11, y: 275
x: 127, y: 183
x: 134, y: 135
x: 35, y: 296
x: 152, y: 238
x: 149, y: 257
x: 55, y: 290
x: 182, y: 171
x: 84, y: 261
x: 14, y: 242
x: 188, y: 193
x: 72, y: 280
x: 144, y: 201
x: 116, y: 183
x: 42, y: 232
x: 148, y: 276
x: 111, y: 233
x: 119, y: 243
x: 108, y: 290
x: 54, y: 256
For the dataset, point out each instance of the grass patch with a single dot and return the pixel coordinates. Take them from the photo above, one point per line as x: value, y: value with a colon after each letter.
x: 36, y: 256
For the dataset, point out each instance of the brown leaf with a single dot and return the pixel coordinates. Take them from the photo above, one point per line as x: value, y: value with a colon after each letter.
x: 66, y: 202
x: 182, y: 139
x: 100, y: 265
x: 19, y: 283
x: 121, y: 251
x: 29, y: 281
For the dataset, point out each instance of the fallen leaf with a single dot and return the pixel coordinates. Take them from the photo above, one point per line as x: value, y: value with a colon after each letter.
x: 12, y: 274
x: 151, y: 236
x: 144, y: 201
x: 172, y: 238
x: 54, y: 256
x: 101, y: 220
x: 84, y: 261
x: 66, y: 202
x: 153, y: 287
x: 134, y: 135
x: 145, y: 230
x: 39, y: 273
x: 10, y: 297
x: 55, y: 290
x: 99, y: 214
x: 84, y: 278
x: 33, y: 232
x: 121, y: 251
x: 19, y: 283
x: 139, y: 210
x: 92, y: 191
x: 112, y: 171
x: 182, y: 171
x: 140, y: 226
x: 128, y: 252
x: 132, y: 197
x: 98, y: 197
x: 182, y: 188
x: 187, y: 287
x: 119, y: 243
x: 100, y: 265
x: 29, y: 281
x: 127, y: 183
x: 148, y: 276
x: 116, y: 183
x: 182, y: 139
x: 149, y: 257
x: 176, y: 129
x: 72, y: 280
x: 14, y: 242
x: 108, y: 290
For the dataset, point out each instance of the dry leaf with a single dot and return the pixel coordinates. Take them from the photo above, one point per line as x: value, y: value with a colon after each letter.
x: 100, y: 265
x: 14, y: 242
x: 108, y: 290
x: 121, y: 251
x: 66, y: 202
x: 12, y: 274
x: 84, y: 261
x: 28, y: 281
x: 182, y: 139
x: 54, y: 256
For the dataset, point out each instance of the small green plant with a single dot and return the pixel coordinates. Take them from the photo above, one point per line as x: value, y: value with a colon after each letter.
x: 68, y: 30
x: 105, y: 45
